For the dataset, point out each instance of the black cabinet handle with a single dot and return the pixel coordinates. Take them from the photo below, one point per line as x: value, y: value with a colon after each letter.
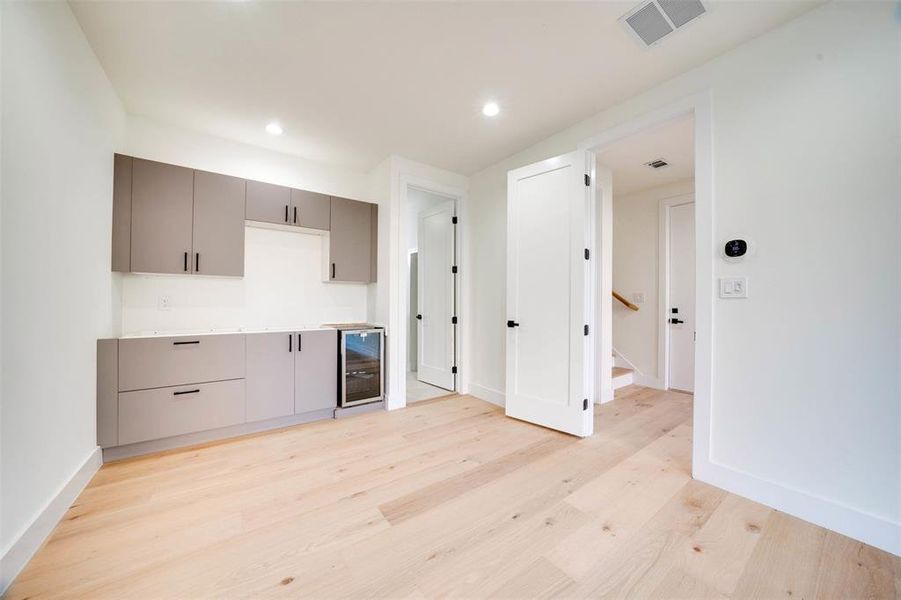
x: 286, y: 213
x: 295, y: 214
x: 290, y: 343
x: 333, y: 270
x: 197, y: 263
x: 186, y: 392
x: 186, y: 262
x: 299, y: 346
x: 419, y: 317
x: 185, y: 343
x: 512, y: 324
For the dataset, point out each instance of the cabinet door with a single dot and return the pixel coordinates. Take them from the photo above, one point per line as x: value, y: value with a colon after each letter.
x: 268, y: 203
x: 349, y: 241
x: 270, y: 375
x: 309, y: 209
x: 122, y: 213
x: 316, y: 371
x: 162, y: 198
x: 218, y: 224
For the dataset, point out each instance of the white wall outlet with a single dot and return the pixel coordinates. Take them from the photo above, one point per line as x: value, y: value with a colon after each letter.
x: 638, y: 297
x: 163, y: 303
x: 733, y: 287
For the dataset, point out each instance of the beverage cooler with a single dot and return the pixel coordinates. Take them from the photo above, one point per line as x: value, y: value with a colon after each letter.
x: 361, y: 377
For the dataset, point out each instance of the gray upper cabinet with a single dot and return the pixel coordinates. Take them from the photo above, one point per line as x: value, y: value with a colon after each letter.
x: 350, y: 241
x: 270, y: 375
x: 316, y: 371
x: 268, y: 203
x: 309, y: 209
x: 218, y: 224
x: 121, y: 254
x: 162, y: 198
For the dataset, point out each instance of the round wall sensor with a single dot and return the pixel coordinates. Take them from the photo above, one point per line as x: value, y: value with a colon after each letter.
x: 736, y: 249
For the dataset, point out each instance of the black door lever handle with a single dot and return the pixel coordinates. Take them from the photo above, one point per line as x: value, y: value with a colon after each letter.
x: 512, y: 324
x: 676, y: 321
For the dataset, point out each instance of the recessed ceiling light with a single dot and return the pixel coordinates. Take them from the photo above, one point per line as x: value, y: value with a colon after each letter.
x: 491, y: 109
x: 274, y: 128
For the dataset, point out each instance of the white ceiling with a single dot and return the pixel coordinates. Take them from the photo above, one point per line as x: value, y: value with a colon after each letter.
x: 354, y: 82
x: 672, y: 141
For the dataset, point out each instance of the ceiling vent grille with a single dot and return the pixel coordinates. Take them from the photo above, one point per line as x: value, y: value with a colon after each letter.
x: 657, y: 164
x: 652, y: 21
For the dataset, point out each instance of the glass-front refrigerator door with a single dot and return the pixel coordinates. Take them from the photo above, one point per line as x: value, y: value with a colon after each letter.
x: 361, y: 362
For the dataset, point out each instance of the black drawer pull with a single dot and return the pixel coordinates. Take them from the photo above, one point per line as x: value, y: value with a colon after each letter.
x: 186, y: 392
x: 185, y: 343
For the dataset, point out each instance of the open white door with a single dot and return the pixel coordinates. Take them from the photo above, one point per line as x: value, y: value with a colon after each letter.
x: 681, y: 318
x: 548, y: 225
x: 435, y: 356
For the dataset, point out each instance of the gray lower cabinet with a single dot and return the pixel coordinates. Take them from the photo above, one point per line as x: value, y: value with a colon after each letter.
x: 316, y: 371
x: 164, y: 412
x: 165, y: 361
x: 350, y: 241
x: 270, y: 375
x: 268, y: 203
x: 218, y: 240
x: 162, y: 198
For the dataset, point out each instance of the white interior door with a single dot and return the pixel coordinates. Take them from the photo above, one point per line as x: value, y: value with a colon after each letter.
x: 435, y: 356
x: 548, y: 224
x: 681, y: 317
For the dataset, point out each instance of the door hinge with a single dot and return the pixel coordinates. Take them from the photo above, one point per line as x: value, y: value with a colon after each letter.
x: 587, y: 253
x: 454, y: 320
x: 586, y: 330
x: 454, y: 220
x: 585, y: 404
x: 454, y: 369
x: 454, y: 269
x: 587, y: 179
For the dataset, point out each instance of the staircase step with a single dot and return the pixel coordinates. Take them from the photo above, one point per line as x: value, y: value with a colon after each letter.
x: 622, y: 377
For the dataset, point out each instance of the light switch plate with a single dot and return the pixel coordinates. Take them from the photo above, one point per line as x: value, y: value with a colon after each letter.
x: 733, y: 287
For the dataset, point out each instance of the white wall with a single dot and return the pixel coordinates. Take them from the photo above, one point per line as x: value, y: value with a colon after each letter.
x: 635, y: 269
x: 806, y: 154
x: 282, y: 288
x: 60, y: 122
x: 282, y: 284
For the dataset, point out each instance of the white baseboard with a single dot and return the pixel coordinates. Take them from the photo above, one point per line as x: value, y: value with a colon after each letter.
x: 22, y: 549
x: 864, y: 527
x: 647, y: 381
x: 487, y: 394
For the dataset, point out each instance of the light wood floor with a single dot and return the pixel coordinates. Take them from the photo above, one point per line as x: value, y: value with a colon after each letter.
x: 446, y: 498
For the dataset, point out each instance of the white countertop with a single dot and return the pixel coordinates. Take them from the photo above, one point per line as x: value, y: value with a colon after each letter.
x: 196, y: 332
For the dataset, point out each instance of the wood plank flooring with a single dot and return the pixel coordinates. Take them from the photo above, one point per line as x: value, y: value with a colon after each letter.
x: 447, y: 498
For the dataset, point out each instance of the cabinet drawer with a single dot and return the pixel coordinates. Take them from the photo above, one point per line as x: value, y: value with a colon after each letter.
x: 158, y: 362
x: 164, y: 412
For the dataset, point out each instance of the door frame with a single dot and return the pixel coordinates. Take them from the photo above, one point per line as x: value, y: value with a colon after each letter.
x: 700, y: 106
x: 397, y: 369
x: 663, y: 281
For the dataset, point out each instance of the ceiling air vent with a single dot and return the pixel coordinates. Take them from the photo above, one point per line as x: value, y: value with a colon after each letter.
x: 657, y: 164
x: 651, y: 21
